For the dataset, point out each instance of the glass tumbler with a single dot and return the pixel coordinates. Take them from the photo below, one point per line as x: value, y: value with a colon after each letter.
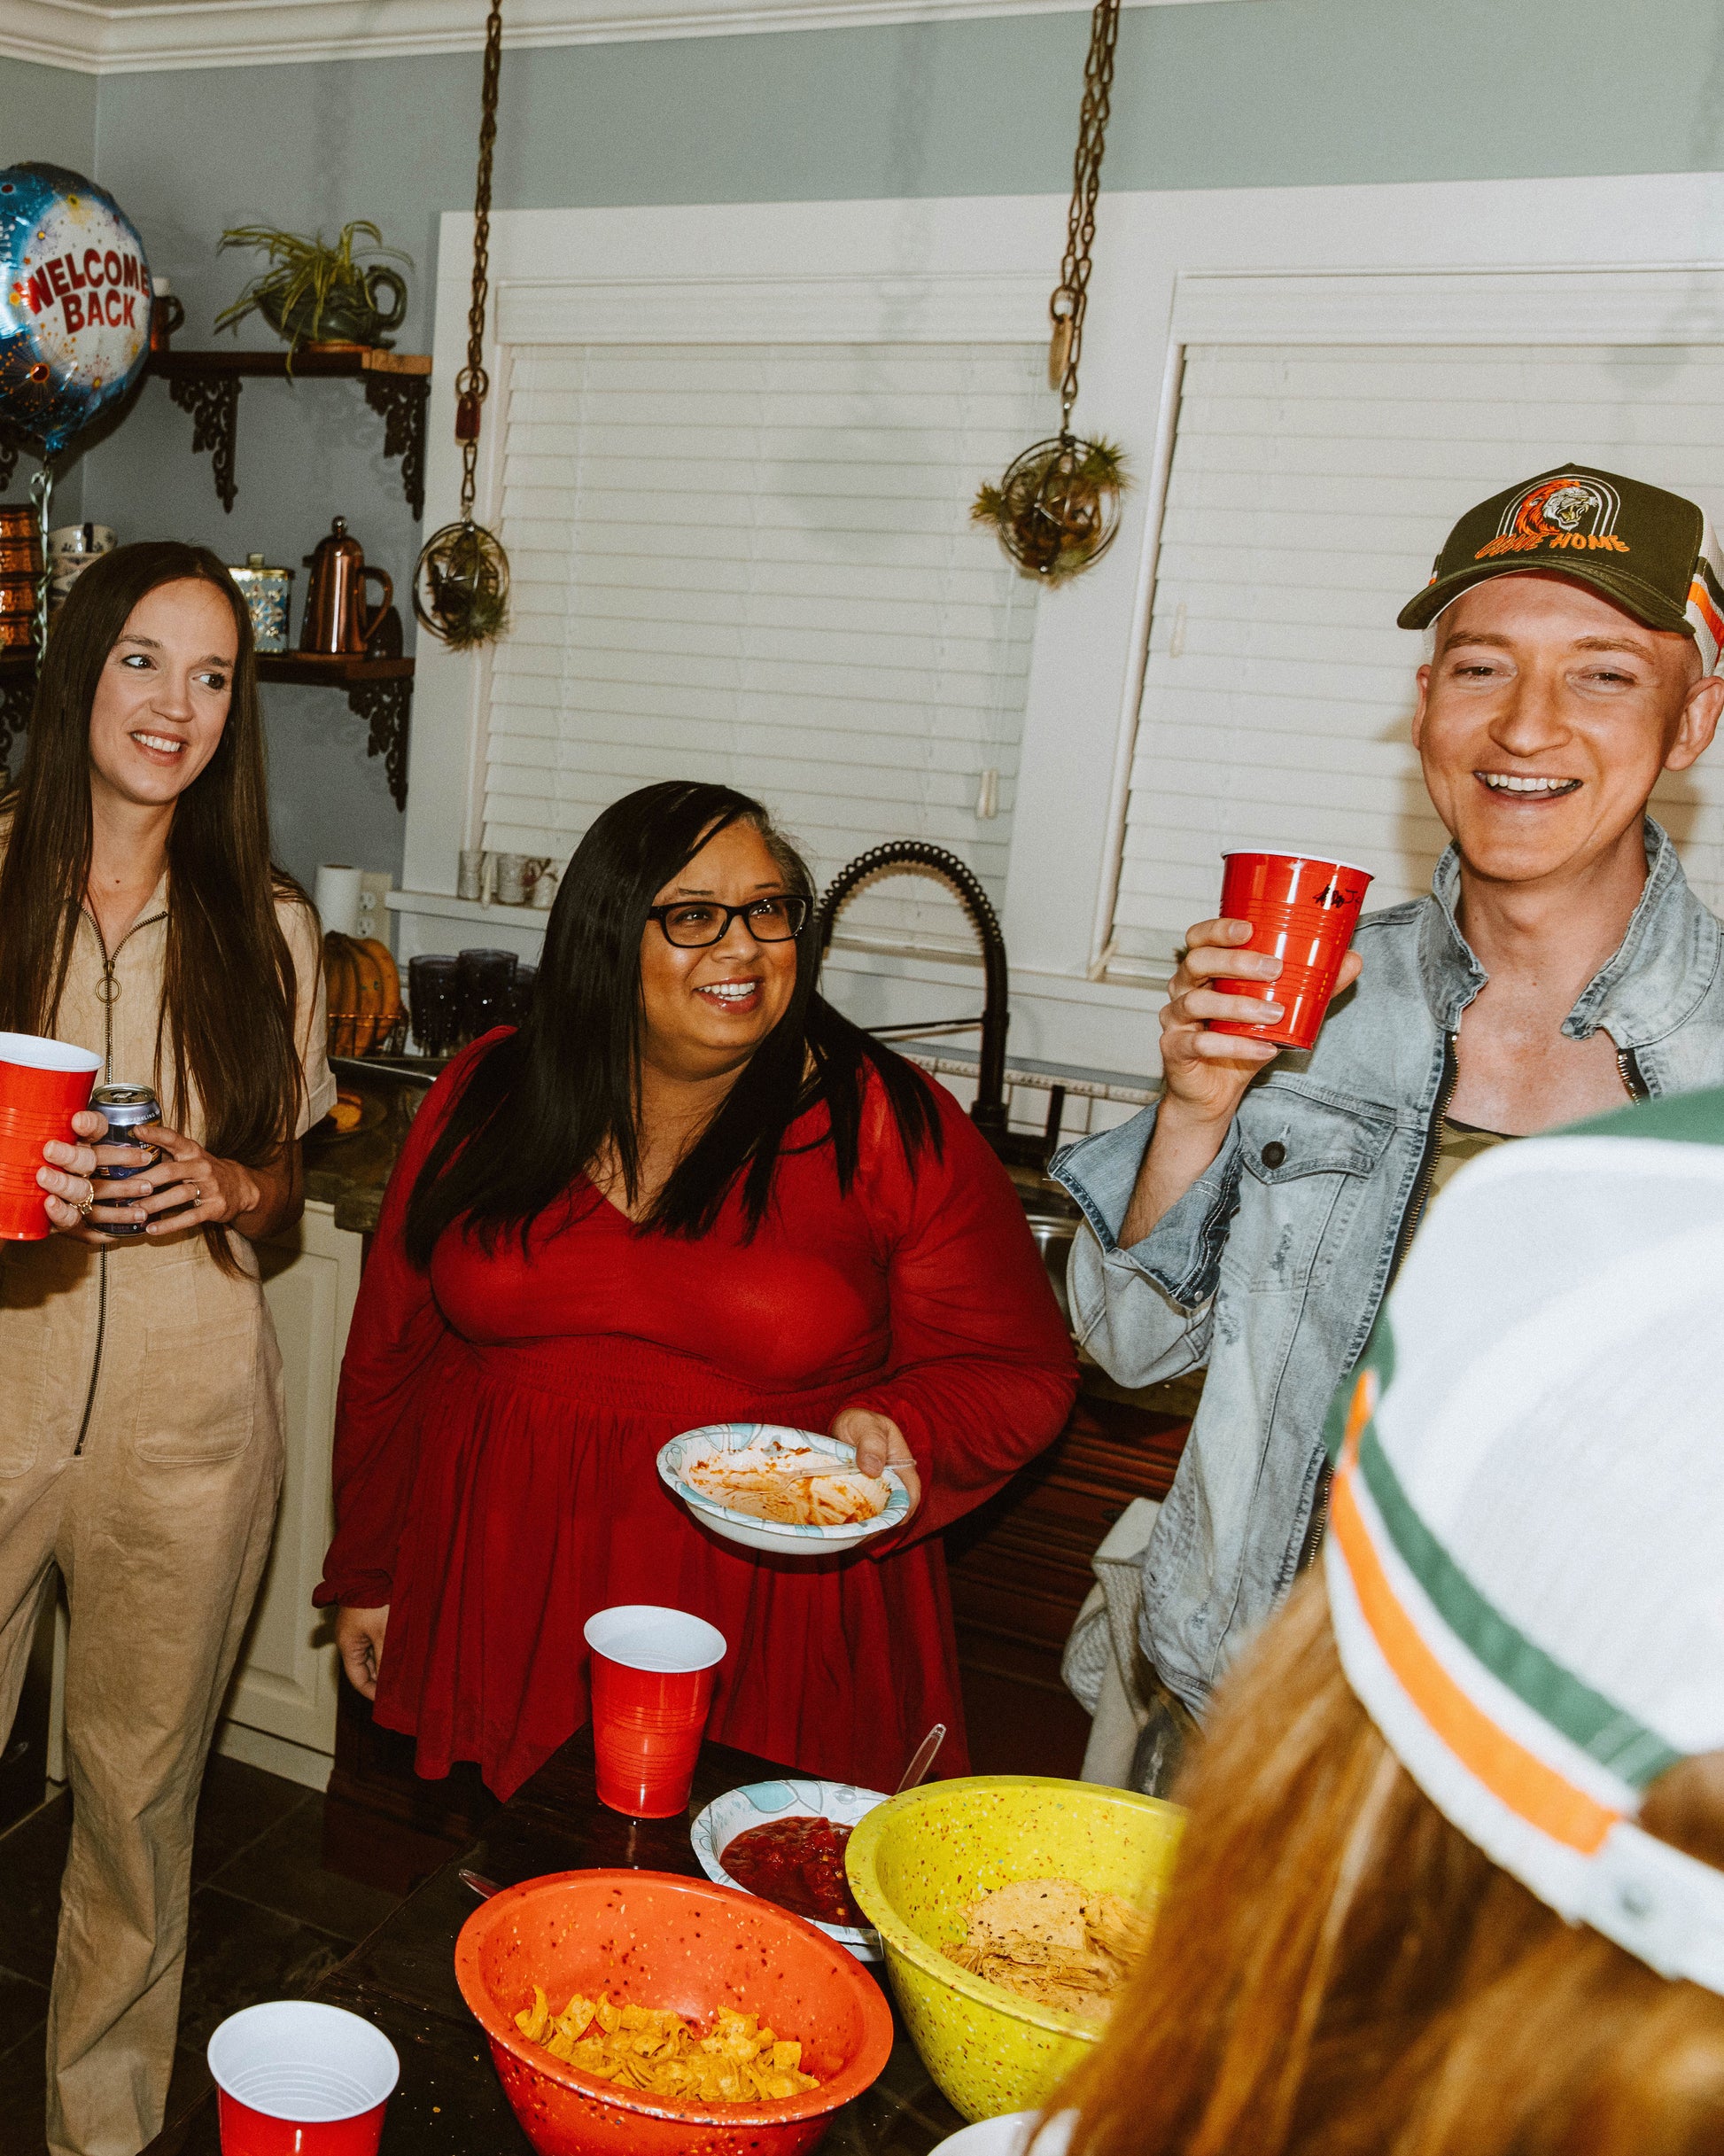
x: 487, y: 991
x: 434, y: 998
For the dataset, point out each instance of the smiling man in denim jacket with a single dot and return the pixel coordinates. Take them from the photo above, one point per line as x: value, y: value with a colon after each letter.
x: 1252, y: 1220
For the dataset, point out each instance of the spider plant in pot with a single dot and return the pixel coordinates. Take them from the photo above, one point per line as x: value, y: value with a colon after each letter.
x: 317, y: 295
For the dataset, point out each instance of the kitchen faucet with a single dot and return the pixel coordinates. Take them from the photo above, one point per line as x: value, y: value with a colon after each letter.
x: 900, y: 855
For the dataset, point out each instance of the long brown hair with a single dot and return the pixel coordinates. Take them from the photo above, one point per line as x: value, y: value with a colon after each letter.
x: 1337, y: 1971
x: 225, y: 1033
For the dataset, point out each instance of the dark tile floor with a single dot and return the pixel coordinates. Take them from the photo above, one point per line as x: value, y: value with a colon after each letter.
x: 266, y: 1922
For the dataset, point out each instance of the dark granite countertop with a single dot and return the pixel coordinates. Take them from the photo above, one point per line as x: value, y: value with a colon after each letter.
x: 350, y: 1170
x: 450, y: 2102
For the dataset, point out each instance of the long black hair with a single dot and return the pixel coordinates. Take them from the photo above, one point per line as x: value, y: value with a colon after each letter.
x: 544, y: 1103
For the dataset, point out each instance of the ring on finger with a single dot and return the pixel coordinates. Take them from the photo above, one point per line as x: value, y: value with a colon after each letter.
x: 87, y: 1202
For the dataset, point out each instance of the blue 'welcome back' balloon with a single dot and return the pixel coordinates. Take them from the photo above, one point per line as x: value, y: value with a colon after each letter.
x: 74, y: 303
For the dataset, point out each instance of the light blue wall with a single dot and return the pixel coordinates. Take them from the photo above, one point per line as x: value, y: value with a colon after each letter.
x: 1260, y: 92
x: 47, y: 116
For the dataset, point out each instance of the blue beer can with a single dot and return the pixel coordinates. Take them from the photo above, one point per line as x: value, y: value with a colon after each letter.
x: 126, y: 1107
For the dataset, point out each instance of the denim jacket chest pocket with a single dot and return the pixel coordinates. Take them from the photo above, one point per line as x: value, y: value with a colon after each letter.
x: 1305, y: 1167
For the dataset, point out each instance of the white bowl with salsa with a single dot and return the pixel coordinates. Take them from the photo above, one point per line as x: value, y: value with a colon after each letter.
x: 785, y: 1858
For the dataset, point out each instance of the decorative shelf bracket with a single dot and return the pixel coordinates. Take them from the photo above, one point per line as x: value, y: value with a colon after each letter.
x: 379, y: 691
x: 403, y: 400
x: 385, y: 707
x: 397, y: 388
x: 17, y: 694
x: 214, y: 402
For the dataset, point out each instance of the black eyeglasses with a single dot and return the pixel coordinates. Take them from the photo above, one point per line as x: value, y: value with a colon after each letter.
x: 692, y: 924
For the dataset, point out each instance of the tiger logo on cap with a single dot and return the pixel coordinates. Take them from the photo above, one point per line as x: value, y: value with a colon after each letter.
x: 1564, y: 511
x: 1559, y: 505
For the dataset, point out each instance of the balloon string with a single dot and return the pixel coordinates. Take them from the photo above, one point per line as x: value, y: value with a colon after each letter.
x: 42, y: 491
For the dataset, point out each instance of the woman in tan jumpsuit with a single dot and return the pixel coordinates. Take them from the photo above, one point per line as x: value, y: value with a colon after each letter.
x: 140, y: 1383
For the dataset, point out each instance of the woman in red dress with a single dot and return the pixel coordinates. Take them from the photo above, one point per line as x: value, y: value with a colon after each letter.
x: 687, y: 1191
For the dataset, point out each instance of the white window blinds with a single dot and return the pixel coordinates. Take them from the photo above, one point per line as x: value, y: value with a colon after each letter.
x: 1310, y: 487
x: 754, y: 563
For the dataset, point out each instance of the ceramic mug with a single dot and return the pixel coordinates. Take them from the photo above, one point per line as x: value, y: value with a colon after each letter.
x: 167, y: 314
x: 516, y: 874
x: 80, y: 539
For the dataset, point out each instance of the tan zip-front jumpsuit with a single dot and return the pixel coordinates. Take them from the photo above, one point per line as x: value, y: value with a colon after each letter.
x: 140, y: 1415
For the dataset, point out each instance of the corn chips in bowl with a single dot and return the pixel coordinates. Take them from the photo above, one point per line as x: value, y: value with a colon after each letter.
x: 724, y: 1965
x: 793, y: 1493
x: 654, y: 2049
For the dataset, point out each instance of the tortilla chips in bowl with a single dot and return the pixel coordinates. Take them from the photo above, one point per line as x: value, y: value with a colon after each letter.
x: 928, y: 1868
x: 793, y: 1493
x: 641, y: 2013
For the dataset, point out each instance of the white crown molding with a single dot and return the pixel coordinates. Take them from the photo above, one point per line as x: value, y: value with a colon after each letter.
x: 164, y: 35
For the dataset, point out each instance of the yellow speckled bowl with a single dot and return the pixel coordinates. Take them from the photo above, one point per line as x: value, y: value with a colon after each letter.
x: 916, y: 1863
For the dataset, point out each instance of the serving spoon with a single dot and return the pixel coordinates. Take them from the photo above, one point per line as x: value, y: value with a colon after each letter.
x: 922, y: 1758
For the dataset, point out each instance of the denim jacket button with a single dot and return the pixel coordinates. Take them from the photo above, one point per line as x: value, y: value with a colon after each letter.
x: 1274, y: 1153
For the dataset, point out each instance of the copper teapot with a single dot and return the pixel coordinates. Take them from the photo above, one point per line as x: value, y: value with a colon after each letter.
x: 337, y: 621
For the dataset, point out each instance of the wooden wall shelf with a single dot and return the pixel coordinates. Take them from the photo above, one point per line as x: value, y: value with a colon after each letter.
x: 207, y: 384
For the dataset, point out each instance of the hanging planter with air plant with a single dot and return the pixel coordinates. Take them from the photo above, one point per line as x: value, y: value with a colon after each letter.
x: 460, y: 581
x: 1058, y: 508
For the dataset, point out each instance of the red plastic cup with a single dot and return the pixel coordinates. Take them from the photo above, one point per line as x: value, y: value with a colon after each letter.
x: 42, y: 1084
x: 653, y: 1674
x: 297, y: 2079
x: 1303, y: 909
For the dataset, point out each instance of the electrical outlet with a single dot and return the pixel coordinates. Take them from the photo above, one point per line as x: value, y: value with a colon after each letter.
x: 374, y: 918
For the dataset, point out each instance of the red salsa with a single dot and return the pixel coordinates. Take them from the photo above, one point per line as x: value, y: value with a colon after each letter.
x: 799, y: 1864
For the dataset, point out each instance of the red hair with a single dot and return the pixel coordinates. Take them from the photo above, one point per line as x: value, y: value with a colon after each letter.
x: 1337, y: 1971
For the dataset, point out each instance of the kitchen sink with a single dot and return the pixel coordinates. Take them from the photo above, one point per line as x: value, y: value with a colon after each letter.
x: 1053, y: 1219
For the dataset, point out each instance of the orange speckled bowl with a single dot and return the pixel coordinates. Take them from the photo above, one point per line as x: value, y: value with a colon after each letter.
x: 653, y: 1939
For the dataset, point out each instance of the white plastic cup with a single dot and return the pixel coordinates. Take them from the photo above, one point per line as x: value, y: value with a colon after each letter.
x: 300, y: 2079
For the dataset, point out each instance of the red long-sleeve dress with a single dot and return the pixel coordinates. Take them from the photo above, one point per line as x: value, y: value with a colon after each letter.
x: 495, y: 1442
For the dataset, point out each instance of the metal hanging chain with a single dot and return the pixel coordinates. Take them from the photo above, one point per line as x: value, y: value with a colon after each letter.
x: 472, y: 384
x: 1071, y: 295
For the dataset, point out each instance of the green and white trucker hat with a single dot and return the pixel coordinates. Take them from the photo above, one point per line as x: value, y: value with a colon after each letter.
x: 1525, y: 1555
x: 1652, y: 552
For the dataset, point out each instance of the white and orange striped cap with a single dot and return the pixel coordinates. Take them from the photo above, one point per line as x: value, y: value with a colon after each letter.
x: 1648, y: 550
x: 1525, y: 1555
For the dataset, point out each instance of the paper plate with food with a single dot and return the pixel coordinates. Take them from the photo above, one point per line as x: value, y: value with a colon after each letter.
x: 793, y: 1493
x: 785, y: 1842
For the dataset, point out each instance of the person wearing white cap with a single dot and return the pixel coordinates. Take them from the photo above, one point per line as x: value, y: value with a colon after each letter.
x: 1252, y: 1219
x: 1453, y: 1883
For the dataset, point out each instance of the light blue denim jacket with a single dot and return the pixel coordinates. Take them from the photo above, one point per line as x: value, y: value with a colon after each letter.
x: 1270, y: 1268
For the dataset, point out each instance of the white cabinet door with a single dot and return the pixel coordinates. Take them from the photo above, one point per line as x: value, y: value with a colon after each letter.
x: 280, y: 1711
